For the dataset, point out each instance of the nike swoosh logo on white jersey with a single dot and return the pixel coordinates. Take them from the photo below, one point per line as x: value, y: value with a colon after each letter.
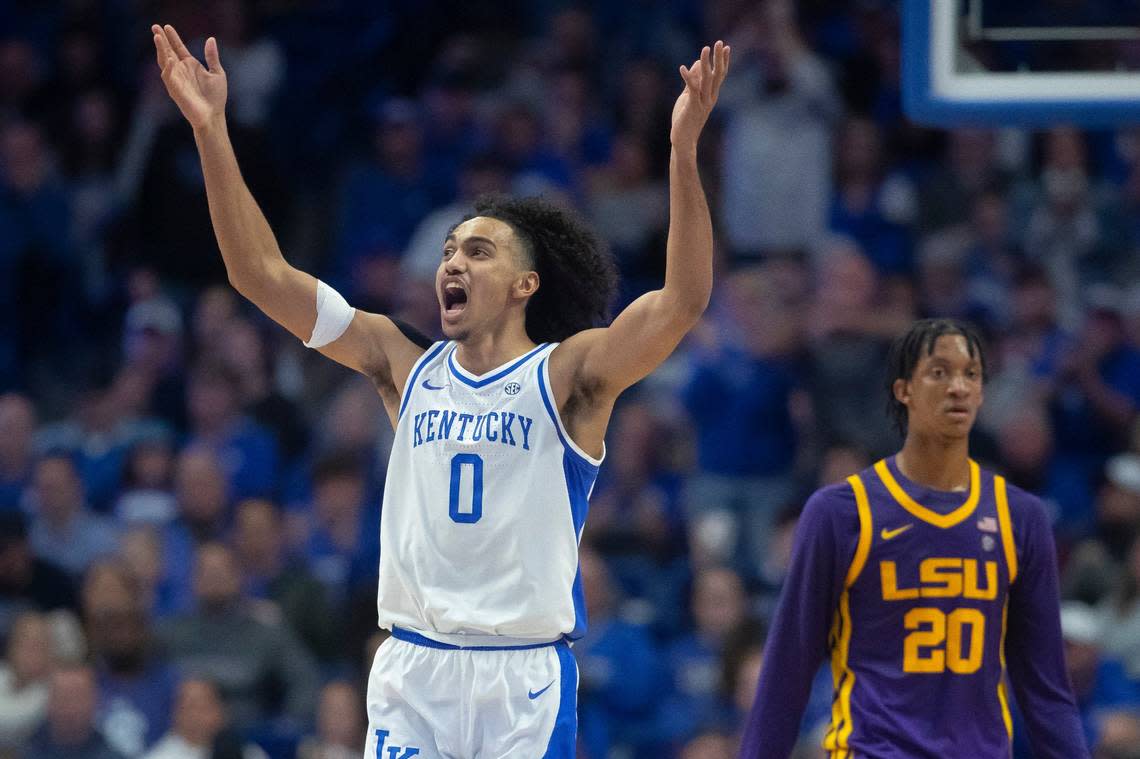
x: 533, y: 695
x: 428, y: 386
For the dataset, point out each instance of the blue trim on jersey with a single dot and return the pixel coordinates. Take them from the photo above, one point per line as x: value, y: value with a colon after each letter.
x: 581, y: 622
x: 410, y: 385
x: 399, y: 633
x: 558, y: 424
x: 580, y: 476
x: 456, y: 372
x: 564, y: 736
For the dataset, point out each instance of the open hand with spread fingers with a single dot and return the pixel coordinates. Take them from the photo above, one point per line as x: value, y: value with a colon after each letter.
x: 199, y: 91
x: 702, y: 86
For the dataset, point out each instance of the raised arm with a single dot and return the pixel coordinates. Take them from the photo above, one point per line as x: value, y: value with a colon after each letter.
x: 590, y: 369
x: 647, y: 331
x: 372, y: 344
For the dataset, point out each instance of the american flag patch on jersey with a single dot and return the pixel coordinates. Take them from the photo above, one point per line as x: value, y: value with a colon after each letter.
x: 988, y: 524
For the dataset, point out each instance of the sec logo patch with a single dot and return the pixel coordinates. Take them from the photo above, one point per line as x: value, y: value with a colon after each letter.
x: 512, y: 388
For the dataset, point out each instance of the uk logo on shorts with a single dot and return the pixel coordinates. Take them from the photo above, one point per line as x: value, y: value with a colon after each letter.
x: 392, y: 752
x: 512, y: 388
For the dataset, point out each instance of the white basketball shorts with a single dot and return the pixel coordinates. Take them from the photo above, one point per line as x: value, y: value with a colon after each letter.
x: 433, y: 700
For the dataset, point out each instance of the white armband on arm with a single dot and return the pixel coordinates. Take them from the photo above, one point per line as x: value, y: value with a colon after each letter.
x: 333, y: 316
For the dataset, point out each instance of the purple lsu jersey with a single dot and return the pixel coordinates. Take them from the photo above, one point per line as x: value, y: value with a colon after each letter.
x: 922, y: 601
x: 922, y: 622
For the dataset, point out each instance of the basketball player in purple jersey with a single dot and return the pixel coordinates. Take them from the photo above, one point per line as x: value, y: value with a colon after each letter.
x: 924, y: 579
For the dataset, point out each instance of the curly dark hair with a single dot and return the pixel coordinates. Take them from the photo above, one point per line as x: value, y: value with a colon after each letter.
x: 908, y: 348
x: 577, y: 275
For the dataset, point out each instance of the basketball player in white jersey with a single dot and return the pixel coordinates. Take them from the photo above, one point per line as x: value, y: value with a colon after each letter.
x: 499, y: 429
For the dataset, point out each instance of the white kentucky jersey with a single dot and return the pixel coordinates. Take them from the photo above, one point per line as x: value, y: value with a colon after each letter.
x: 484, y: 503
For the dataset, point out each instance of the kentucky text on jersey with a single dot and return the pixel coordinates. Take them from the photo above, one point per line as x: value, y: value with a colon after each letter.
x: 505, y: 427
x: 484, y: 503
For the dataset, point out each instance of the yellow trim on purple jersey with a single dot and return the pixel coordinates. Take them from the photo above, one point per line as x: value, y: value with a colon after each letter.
x: 842, y: 677
x: 866, y: 529
x: 837, y: 672
x: 1002, y: 697
x: 1006, y: 526
x: 927, y: 515
x: 843, y: 680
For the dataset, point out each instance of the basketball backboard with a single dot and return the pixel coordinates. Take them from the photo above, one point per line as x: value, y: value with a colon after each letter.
x: 1021, y: 62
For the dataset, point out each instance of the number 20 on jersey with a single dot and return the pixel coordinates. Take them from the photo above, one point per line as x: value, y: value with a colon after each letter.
x: 938, y: 641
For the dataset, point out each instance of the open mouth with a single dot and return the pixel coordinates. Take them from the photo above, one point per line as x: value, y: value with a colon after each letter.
x: 454, y: 298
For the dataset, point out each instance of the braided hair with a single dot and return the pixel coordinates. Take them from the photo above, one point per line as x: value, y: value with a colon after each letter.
x: 909, y: 348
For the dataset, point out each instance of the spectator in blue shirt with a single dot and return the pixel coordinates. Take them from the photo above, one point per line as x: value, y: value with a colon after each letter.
x: 246, y: 449
x: 244, y: 349
x: 283, y: 583
x: 871, y: 207
x: 520, y: 141
x: 202, y: 496
x: 619, y: 676
x: 37, y: 268
x: 739, y: 397
x: 383, y: 197
x: 136, y: 686
x: 146, y: 495
x: 153, y: 351
x: 635, y: 515
x: 719, y: 606
x: 63, y: 530
x: 1095, y: 395
x: 99, y: 433
x: 1034, y: 340
x: 342, y: 546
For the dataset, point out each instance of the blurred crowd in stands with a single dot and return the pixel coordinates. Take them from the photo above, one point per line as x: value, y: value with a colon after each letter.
x: 189, y: 499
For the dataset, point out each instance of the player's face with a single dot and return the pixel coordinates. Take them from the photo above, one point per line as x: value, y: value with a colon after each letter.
x: 480, y: 275
x: 944, y: 394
